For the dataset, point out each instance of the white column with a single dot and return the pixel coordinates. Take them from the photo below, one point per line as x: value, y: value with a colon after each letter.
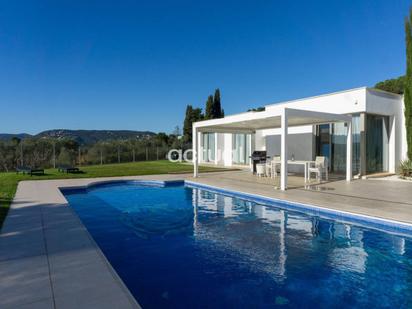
x: 284, y: 151
x: 195, y: 146
x: 349, y: 152
x: 392, y: 144
x: 227, y: 151
x: 252, y: 147
x: 217, y: 154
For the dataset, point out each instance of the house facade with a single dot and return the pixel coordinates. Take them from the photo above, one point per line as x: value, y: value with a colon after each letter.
x: 377, y: 125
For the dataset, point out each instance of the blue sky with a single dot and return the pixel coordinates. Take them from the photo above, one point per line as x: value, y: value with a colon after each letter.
x: 137, y: 64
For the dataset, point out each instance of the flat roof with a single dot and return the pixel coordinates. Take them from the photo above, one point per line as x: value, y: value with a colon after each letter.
x: 318, y: 96
x: 338, y: 92
x: 261, y: 115
x: 306, y: 98
x: 250, y: 122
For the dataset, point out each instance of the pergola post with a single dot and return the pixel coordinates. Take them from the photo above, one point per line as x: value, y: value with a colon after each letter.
x: 284, y: 151
x: 349, y: 151
x: 195, y: 151
x: 362, y: 124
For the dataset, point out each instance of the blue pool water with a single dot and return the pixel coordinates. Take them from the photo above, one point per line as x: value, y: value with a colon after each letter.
x: 182, y: 247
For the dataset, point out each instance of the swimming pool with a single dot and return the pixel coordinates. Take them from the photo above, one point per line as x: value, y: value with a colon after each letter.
x: 180, y: 246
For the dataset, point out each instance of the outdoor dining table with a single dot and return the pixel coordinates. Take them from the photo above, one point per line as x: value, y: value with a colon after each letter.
x: 296, y: 162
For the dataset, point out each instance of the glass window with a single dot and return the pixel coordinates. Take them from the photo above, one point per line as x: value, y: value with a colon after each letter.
x: 208, y: 146
x: 241, y: 149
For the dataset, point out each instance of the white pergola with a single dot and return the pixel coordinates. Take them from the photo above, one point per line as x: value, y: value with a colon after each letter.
x: 282, y: 118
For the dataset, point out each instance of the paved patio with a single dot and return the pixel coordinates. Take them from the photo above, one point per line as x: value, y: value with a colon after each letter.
x: 49, y: 260
x: 384, y: 199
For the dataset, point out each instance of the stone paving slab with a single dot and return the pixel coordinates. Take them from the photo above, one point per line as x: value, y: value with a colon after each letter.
x: 41, y: 304
x: 23, y: 281
x: 22, y: 244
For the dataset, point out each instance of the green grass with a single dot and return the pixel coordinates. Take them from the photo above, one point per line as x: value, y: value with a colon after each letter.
x: 9, y: 181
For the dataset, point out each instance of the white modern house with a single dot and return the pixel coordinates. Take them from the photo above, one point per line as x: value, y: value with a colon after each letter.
x: 361, y: 131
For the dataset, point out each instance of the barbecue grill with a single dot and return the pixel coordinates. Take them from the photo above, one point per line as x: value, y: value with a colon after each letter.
x: 258, y: 156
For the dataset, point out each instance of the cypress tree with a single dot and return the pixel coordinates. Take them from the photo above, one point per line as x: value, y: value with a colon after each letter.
x: 217, y: 107
x: 408, y: 83
x: 192, y: 115
x: 209, y: 111
x: 187, y: 124
x: 197, y: 115
x: 213, y: 108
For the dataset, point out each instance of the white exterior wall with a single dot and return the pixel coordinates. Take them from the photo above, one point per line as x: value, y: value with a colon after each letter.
x: 402, y: 129
x: 259, y: 139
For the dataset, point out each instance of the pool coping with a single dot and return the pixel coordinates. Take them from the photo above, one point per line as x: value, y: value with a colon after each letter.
x: 98, y: 183
x: 114, y: 274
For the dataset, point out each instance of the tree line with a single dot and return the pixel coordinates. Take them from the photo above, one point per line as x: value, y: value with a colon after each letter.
x: 394, y: 85
x: 50, y: 152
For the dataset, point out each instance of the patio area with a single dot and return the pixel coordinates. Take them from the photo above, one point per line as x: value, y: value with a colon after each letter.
x: 295, y: 180
x: 282, y: 118
x: 390, y: 200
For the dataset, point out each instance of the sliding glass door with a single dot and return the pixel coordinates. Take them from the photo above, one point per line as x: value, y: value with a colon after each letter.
x: 338, y: 147
x: 356, y: 144
x: 331, y: 143
x: 208, y: 147
x: 323, y: 137
x: 377, y: 143
x: 241, y: 149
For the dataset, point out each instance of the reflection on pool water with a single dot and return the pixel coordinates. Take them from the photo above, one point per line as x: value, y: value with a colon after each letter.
x: 183, y: 247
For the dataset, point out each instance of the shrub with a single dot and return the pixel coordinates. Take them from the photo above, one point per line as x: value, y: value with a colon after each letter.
x: 405, y: 168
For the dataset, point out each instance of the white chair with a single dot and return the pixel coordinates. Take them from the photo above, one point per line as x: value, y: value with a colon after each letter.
x: 275, y: 167
x: 269, y: 168
x: 260, y: 169
x: 319, y: 167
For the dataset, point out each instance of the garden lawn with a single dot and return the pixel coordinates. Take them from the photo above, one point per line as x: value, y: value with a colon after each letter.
x: 9, y: 181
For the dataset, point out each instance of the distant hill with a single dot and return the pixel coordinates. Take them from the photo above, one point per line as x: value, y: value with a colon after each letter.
x: 6, y: 136
x: 85, y: 136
